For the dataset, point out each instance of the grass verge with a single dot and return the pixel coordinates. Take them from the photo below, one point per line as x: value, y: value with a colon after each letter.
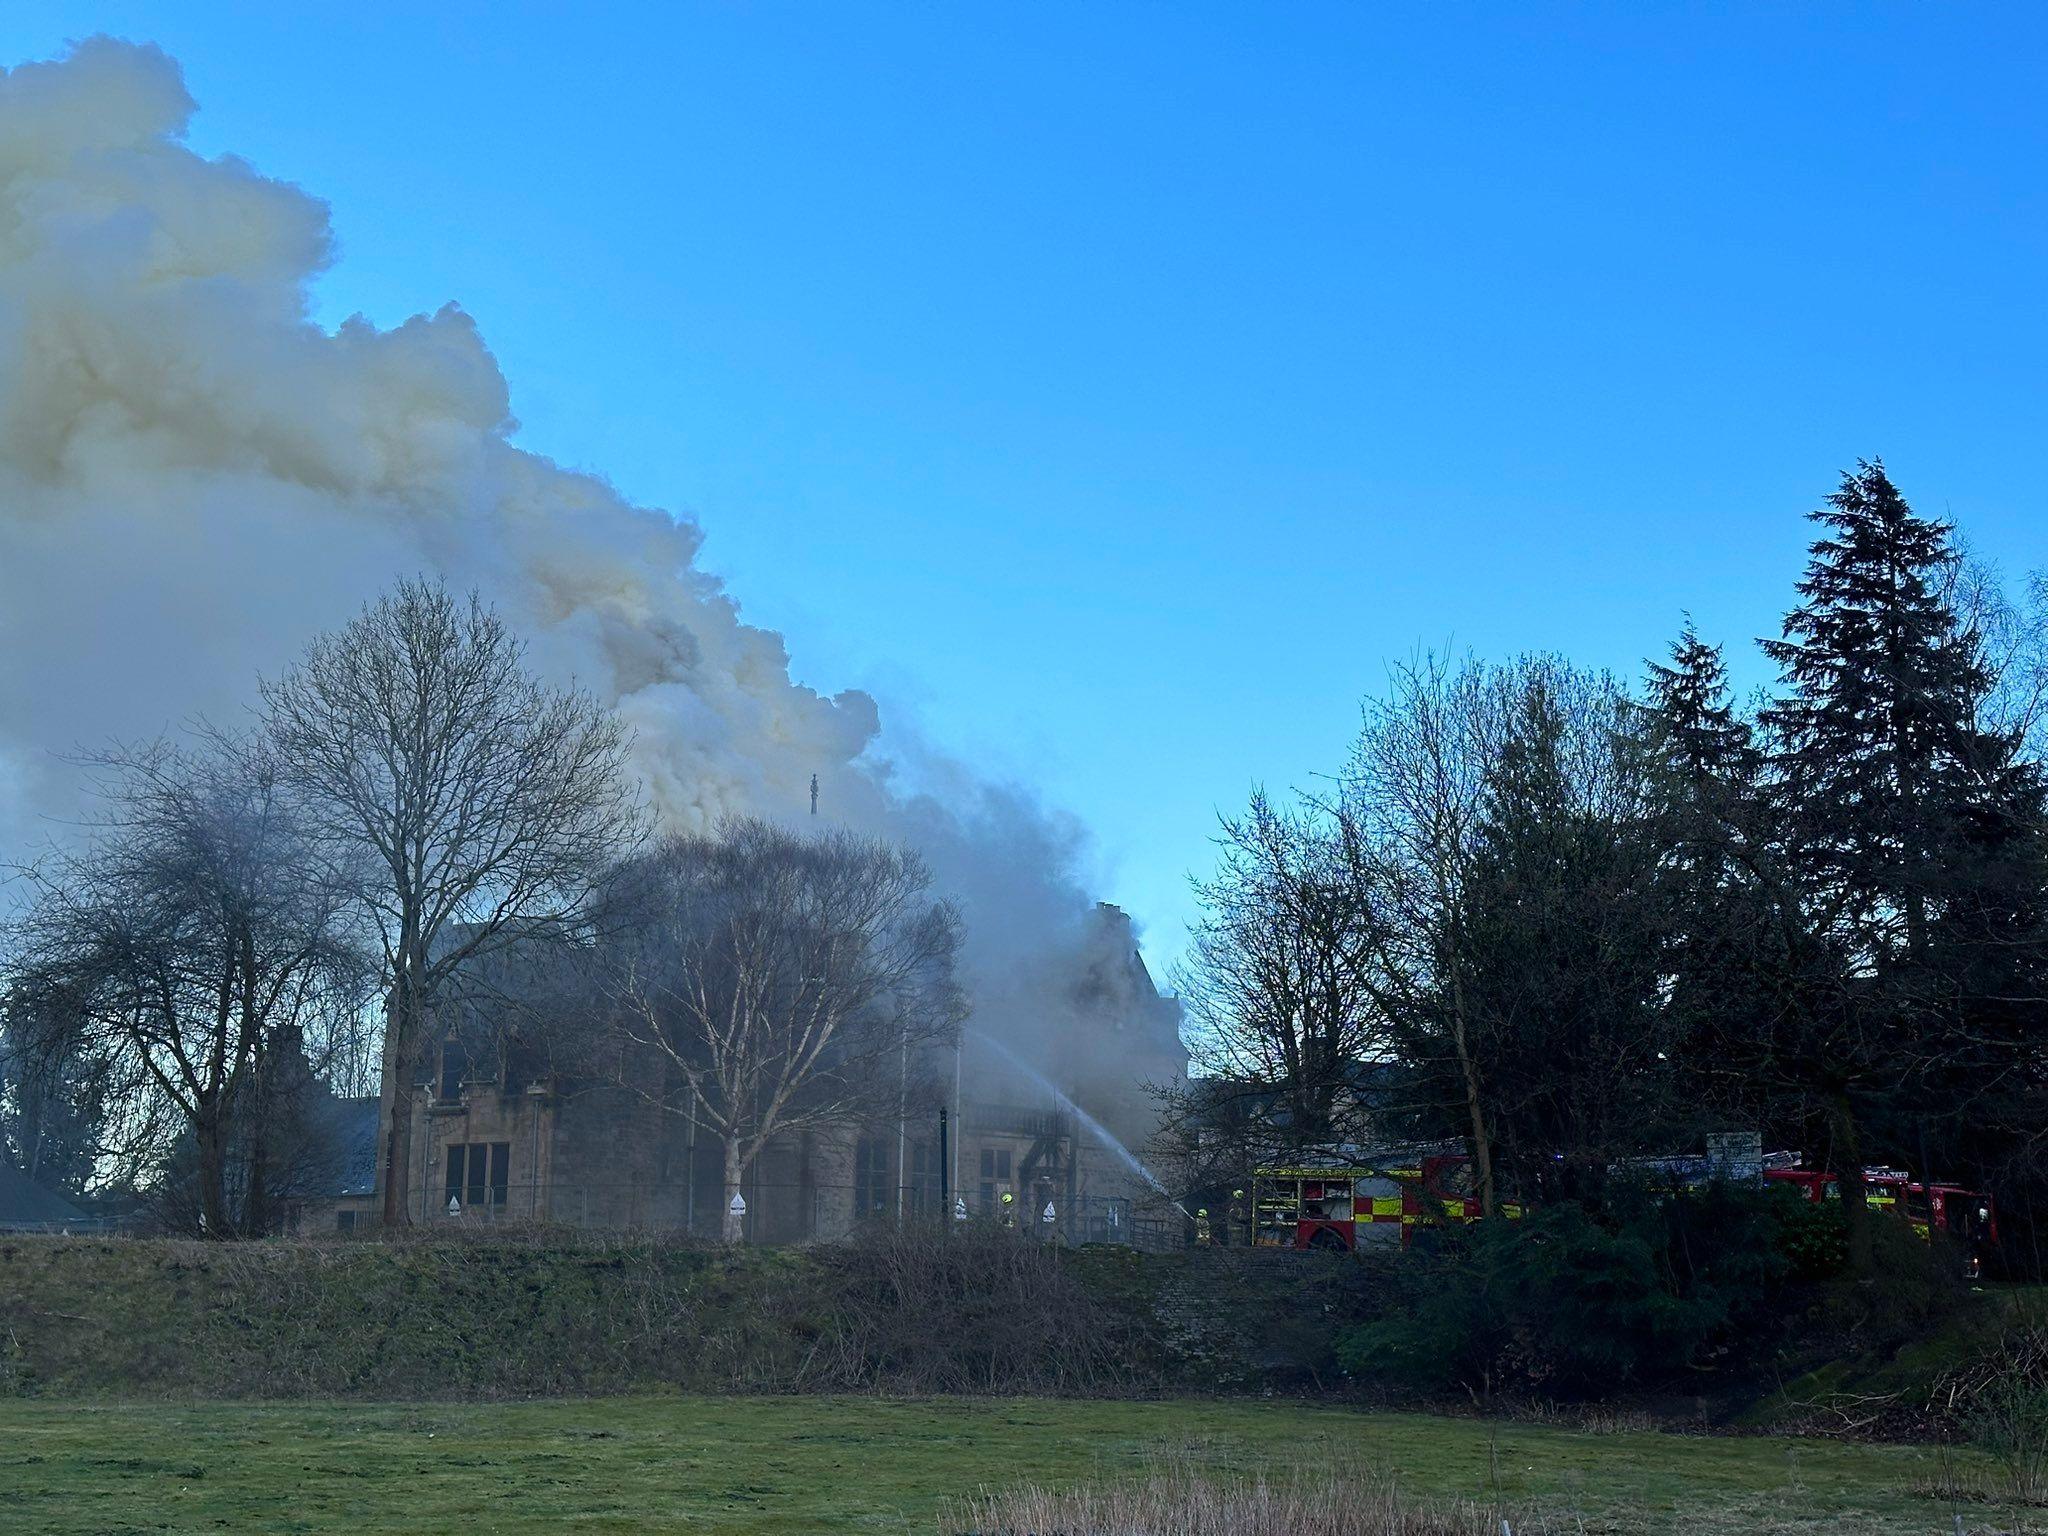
x: 800, y: 1464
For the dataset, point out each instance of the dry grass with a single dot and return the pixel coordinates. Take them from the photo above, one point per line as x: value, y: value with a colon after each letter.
x: 1178, y: 1500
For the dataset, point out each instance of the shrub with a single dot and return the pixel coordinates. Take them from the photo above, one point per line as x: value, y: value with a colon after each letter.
x: 2001, y: 1399
x: 1814, y: 1238
x: 2009, y: 1422
x: 976, y: 1309
x: 1571, y: 1301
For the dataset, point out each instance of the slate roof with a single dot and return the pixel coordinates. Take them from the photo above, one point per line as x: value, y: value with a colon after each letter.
x: 25, y: 1206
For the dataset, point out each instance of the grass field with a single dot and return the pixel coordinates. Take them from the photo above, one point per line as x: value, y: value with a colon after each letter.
x: 733, y: 1465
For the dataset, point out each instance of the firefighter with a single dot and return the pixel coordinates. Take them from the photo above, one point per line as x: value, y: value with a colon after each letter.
x: 1009, y: 1208
x: 1979, y: 1238
x: 1201, y: 1226
x: 1240, y: 1232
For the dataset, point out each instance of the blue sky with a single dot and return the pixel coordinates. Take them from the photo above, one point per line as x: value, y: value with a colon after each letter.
x: 1112, y: 388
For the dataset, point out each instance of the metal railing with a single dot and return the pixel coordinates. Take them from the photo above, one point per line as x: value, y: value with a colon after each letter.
x: 781, y: 1212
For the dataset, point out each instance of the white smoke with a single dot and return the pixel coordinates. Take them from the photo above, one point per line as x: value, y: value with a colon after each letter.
x: 195, y: 479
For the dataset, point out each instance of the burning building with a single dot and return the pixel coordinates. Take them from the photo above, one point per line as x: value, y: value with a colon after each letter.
x: 201, y: 477
x: 1048, y: 1118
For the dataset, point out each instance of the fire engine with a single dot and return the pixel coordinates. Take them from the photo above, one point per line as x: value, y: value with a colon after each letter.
x: 1968, y: 1216
x: 1340, y: 1209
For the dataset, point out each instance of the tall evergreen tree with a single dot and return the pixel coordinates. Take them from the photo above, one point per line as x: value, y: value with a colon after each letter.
x: 1723, y: 948
x: 1879, y: 746
x: 1560, y: 936
x: 1702, y: 740
x: 1887, y: 781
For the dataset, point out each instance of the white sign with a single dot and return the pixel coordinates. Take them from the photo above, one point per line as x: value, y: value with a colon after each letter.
x: 1048, y: 1216
x: 959, y: 1207
x: 454, y: 1206
x: 739, y: 1204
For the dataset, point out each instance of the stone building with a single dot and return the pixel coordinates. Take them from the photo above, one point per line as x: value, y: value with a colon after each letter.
x: 500, y: 1135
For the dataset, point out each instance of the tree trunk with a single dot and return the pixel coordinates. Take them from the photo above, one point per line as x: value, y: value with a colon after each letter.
x: 255, y: 1205
x: 733, y: 1227
x: 398, y: 1156
x: 1475, y: 1105
x: 395, y: 1163
x: 211, y: 1139
x: 1847, y: 1159
x: 1482, y: 1143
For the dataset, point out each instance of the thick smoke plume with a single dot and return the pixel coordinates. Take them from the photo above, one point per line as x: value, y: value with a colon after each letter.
x: 195, y: 479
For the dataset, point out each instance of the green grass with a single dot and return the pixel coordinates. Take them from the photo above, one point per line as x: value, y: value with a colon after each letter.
x: 730, y: 1465
x: 1907, y: 1371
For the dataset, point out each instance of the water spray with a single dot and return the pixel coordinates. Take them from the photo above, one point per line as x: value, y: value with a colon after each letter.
x: 1095, y: 1127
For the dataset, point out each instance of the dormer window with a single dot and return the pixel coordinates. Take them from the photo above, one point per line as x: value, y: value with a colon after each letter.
x: 454, y: 1068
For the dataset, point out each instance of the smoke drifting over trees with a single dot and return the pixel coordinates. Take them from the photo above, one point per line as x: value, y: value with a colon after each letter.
x: 195, y: 480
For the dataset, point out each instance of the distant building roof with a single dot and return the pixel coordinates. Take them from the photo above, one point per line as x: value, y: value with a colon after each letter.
x: 25, y: 1206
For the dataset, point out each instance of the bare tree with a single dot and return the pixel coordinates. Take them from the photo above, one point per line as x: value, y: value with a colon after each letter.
x: 788, y: 981
x: 1277, y: 980
x: 186, y: 949
x: 1412, y: 801
x: 2010, y: 637
x: 470, y: 805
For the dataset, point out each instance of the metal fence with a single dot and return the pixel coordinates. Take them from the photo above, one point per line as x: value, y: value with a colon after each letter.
x: 78, y: 1226
x: 776, y: 1212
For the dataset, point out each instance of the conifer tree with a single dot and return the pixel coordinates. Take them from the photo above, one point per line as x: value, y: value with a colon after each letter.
x: 1723, y: 945
x: 1699, y: 734
x: 1560, y: 939
x: 1885, y: 779
x: 1878, y: 741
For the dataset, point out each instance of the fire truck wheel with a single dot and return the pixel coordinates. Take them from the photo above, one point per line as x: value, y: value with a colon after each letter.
x: 1327, y: 1241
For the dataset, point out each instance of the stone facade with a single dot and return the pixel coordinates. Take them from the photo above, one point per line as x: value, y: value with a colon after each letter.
x: 493, y: 1142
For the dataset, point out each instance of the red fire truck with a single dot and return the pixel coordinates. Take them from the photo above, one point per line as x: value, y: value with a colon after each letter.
x: 1344, y: 1208
x: 1968, y: 1216
x: 1341, y: 1209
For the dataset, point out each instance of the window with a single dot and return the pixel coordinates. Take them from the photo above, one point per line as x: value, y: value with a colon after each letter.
x: 344, y: 1221
x: 454, y: 1067
x: 923, y: 1164
x: 460, y: 1065
x: 478, y: 1174
x: 871, y: 1177
x: 995, y: 1171
x: 1453, y: 1180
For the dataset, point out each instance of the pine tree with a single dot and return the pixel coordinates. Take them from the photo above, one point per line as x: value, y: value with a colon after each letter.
x: 1879, y: 749
x: 1723, y: 948
x: 1698, y: 733
x: 1561, y: 946
x: 52, y: 1092
x: 1885, y: 778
